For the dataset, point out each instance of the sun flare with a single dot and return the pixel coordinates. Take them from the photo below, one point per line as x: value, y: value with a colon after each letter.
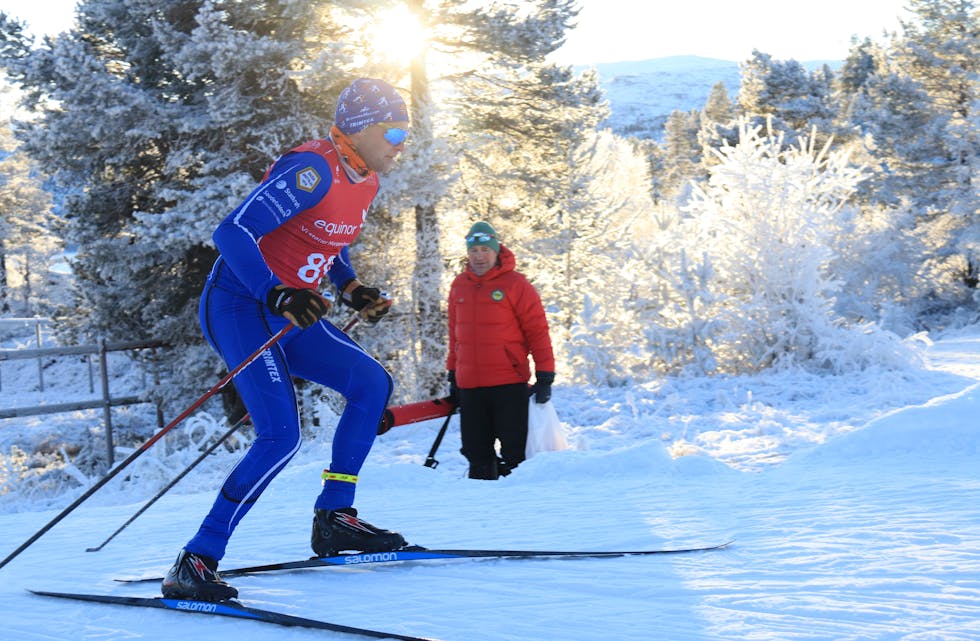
x: 399, y: 36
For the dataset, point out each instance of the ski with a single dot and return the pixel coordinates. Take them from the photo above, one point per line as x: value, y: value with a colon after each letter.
x: 229, y: 609
x: 423, y: 554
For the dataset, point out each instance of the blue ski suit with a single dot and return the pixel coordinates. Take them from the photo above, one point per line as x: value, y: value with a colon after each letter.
x: 293, y: 229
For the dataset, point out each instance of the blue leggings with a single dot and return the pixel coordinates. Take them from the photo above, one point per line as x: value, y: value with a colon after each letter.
x: 236, y: 324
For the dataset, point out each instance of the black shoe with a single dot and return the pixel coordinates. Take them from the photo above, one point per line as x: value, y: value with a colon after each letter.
x: 195, y: 576
x: 337, y: 530
x: 485, y: 471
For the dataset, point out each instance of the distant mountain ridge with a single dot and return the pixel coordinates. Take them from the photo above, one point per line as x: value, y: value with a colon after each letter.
x: 643, y: 93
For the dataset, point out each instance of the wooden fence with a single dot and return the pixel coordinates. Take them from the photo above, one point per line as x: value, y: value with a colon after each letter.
x: 106, y: 402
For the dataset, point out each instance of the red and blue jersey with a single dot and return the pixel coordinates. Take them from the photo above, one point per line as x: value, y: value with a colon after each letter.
x: 295, y: 227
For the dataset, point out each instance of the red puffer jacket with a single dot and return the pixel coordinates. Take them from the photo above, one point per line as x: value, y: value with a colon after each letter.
x: 495, y: 321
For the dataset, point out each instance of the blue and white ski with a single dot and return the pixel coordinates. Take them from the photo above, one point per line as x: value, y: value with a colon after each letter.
x: 229, y: 609
x: 422, y: 554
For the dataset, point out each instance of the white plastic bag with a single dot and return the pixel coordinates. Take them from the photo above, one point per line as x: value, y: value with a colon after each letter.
x: 544, y: 431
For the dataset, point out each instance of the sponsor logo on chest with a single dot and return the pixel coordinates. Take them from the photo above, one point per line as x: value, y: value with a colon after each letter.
x: 331, y: 232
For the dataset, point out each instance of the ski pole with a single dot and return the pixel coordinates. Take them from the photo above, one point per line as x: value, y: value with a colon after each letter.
x: 356, y: 316
x: 172, y: 483
x: 430, y: 460
x: 145, y: 446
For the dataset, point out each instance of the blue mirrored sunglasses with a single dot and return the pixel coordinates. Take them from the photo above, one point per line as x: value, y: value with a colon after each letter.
x: 394, y: 135
x: 479, y: 237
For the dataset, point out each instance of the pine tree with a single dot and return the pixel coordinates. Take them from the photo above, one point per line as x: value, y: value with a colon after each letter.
x: 491, y: 65
x: 718, y: 125
x: 785, y: 93
x: 940, y: 49
x: 718, y: 107
x: 156, y: 118
x: 656, y: 166
x: 859, y: 67
x: 913, y: 105
x: 529, y: 171
x: 682, y: 151
x: 29, y: 242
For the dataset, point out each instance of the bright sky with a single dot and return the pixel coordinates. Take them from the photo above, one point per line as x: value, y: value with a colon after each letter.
x: 618, y: 30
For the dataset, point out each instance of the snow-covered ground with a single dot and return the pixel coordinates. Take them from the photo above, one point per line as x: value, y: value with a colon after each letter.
x: 854, y: 503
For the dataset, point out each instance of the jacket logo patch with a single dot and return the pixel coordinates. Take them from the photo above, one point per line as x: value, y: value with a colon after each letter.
x: 307, y: 179
x: 497, y: 295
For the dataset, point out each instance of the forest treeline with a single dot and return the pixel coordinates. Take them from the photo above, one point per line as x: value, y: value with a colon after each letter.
x: 813, y: 220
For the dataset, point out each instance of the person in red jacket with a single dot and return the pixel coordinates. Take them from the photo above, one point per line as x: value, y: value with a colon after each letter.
x: 496, y: 321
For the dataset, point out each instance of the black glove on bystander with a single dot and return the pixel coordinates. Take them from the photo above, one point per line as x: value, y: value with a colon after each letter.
x: 542, y: 386
x: 302, y: 307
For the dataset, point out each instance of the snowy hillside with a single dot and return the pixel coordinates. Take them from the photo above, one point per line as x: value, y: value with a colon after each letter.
x: 854, y: 503
x: 643, y: 93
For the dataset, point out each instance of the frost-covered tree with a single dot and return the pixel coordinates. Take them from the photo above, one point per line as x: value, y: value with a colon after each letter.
x: 682, y: 151
x: 656, y: 166
x: 29, y: 242
x: 718, y: 107
x: 532, y: 173
x: 156, y: 118
x: 673, y: 293
x: 677, y: 295
x: 896, y: 130
x: 940, y: 48
x: 600, y: 347
x: 785, y: 93
x: 718, y: 124
x: 473, y: 53
x: 913, y: 106
x: 861, y: 64
x: 768, y: 220
x: 875, y: 255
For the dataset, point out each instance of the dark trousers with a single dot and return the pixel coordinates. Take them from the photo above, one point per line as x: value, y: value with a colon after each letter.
x: 487, y: 415
x: 234, y: 323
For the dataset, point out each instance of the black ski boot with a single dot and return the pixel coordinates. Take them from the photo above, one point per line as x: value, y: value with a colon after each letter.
x: 338, y: 530
x: 195, y: 576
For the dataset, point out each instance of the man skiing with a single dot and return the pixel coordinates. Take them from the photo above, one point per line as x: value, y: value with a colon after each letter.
x: 276, y: 247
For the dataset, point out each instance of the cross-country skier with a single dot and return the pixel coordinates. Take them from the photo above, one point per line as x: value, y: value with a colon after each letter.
x: 276, y: 247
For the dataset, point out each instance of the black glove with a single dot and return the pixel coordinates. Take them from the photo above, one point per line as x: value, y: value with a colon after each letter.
x: 453, y: 390
x: 302, y: 307
x: 542, y: 386
x: 368, y: 301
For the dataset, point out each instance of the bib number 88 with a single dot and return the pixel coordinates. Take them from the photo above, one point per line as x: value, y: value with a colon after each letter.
x: 314, y: 269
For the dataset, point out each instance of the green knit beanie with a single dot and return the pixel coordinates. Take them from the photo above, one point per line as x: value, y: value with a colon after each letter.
x: 482, y: 233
